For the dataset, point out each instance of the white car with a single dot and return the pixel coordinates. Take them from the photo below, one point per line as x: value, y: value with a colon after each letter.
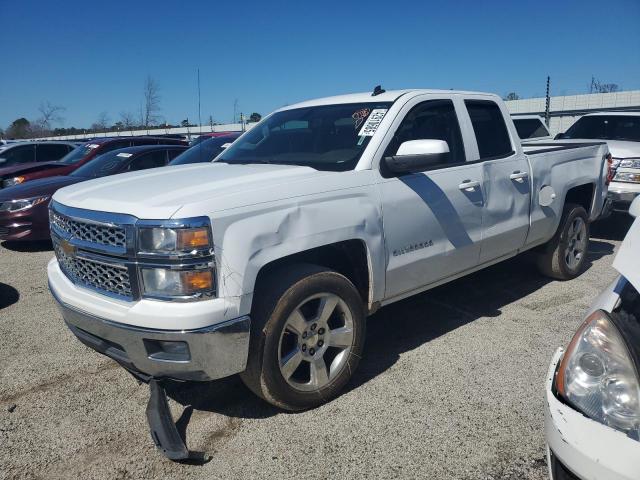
x: 592, y: 418
x: 621, y: 131
x: 531, y: 128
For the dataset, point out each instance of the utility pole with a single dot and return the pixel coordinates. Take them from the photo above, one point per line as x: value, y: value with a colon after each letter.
x: 242, y: 121
x: 235, y: 110
x: 548, y: 103
x: 211, y: 122
x: 199, y: 118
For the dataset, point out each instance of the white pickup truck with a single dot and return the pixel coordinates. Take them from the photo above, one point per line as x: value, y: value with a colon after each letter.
x: 621, y: 131
x: 267, y: 261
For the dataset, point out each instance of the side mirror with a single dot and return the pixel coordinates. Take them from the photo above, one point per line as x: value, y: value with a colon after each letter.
x: 634, y: 208
x: 417, y: 156
x: 559, y: 136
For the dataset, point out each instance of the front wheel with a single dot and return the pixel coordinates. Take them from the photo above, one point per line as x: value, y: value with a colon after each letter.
x: 563, y: 257
x: 308, y: 328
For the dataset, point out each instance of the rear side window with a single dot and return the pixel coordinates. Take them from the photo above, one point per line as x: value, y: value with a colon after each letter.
x: 491, y: 131
x: 115, y: 146
x: 157, y: 158
x: 50, y: 153
x: 20, y: 154
x: 530, y: 128
x: 431, y: 120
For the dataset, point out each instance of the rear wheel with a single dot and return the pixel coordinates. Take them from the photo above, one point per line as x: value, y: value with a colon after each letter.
x: 308, y: 328
x: 564, y: 255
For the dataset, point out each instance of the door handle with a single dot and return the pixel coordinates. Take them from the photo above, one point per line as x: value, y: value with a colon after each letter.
x: 468, y: 185
x: 518, y: 176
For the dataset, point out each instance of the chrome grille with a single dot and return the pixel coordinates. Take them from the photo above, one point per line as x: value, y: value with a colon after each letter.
x: 101, y: 276
x: 114, y: 236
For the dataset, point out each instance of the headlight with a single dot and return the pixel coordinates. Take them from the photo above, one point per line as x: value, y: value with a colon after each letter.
x: 164, y: 282
x: 627, y: 177
x: 19, y: 205
x: 10, y: 182
x: 631, y: 163
x: 597, y: 376
x: 160, y: 240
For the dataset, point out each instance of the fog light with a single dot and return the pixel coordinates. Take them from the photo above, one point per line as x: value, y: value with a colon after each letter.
x: 170, y: 351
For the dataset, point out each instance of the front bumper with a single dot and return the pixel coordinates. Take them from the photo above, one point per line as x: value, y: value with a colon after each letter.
x: 23, y: 226
x: 212, y: 352
x: 578, y: 447
x: 622, y: 194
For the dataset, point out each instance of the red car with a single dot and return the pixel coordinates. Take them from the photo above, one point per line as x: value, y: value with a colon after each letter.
x: 30, y: 171
x: 24, y: 212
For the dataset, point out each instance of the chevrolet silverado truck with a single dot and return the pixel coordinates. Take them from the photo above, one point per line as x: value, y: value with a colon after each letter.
x: 267, y: 261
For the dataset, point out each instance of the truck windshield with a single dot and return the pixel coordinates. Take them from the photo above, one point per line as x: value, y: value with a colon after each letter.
x: 204, y: 151
x: 324, y: 137
x: 74, y: 156
x: 606, y: 127
x: 530, y: 128
x: 106, y: 164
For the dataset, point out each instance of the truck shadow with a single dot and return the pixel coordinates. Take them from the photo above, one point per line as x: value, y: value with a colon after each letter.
x: 396, y: 329
x: 613, y: 228
x: 8, y: 295
x: 40, y: 246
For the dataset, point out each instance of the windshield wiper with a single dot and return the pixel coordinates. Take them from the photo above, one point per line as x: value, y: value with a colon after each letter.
x: 245, y: 162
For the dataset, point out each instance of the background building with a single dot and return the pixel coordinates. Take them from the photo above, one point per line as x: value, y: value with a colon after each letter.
x: 567, y: 109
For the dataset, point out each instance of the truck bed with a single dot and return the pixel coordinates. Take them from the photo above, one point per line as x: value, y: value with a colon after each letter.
x: 562, y: 166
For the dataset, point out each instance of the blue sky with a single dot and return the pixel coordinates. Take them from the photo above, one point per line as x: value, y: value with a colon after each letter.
x: 92, y: 57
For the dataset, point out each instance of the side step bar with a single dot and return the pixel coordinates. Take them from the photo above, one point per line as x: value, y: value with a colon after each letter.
x: 162, y: 428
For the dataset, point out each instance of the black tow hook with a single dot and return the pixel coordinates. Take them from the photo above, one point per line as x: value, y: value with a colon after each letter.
x: 162, y: 428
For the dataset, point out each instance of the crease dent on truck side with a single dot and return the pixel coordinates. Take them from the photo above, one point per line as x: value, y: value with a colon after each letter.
x: 267, y: 261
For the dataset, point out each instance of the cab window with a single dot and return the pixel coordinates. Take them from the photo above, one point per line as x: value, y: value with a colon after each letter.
x: 491, y: 131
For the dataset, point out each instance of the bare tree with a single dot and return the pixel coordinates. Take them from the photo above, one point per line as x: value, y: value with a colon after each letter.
x: 512, y: 96
x: 50, y: 114
x: 151, y: 106
x: 597, y: 86
x: 102, y: 122
x: 128, y: 120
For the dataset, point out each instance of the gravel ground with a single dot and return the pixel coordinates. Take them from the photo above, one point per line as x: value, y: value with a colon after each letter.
x: 451, y: 387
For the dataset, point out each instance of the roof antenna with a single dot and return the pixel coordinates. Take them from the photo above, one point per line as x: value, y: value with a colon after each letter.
x: 377, y: 91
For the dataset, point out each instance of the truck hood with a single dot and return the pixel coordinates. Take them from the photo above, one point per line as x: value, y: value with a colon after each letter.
x: 160, y: 192
x: 627, y: 261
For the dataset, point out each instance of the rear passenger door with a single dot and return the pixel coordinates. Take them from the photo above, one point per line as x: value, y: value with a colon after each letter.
x: 51, y: 152
x: 432, y: 219
x: 507, y: 187
x: 154, y: 159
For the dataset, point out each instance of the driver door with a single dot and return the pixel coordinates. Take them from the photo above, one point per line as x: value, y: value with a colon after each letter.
x: 432, y: 219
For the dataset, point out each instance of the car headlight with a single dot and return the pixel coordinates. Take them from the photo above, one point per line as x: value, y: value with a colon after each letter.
x: 162, y: 240
x: 598, y: 377
x: 630, y: 163
x: 10, y: 182
x: 166, y: 282
x: 627, y: 177
x: 24, y: 204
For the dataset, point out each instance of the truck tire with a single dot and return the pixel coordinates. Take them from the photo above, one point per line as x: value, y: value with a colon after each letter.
x: 564, y: 255
x: 307, y: 336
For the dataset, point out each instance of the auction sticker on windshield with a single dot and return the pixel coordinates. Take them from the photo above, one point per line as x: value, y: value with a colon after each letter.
x: 373, y: 122
x: 124, y: 155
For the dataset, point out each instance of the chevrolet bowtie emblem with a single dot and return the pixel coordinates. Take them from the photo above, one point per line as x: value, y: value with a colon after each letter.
x: 67, y: 248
